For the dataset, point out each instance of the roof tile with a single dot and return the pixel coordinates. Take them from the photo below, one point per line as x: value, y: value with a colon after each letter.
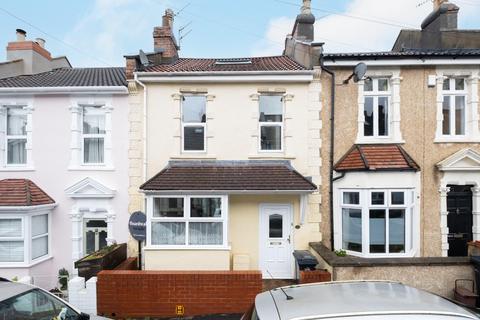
x: 22, y: 192
x: 376, y: 157
x: 228, y: 175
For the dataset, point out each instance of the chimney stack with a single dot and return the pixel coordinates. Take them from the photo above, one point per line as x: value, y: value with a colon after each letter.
x: 21, y: 35
x: 164, y: 41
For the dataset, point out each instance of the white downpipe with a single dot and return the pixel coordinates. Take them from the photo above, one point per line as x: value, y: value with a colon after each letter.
x: 144, y: 134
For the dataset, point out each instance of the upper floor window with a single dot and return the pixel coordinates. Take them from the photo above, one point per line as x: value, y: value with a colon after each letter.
x: 454, y: 93
x: 194, y: 121
x: 93, y: 135
x: 376, y: 107
x: 16, y: 136
x: 271, y: 122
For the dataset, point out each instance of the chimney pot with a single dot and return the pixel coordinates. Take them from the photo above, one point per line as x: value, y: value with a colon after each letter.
x: 438, y: 3
x: 41, y: 42
x: 167, y: 19
x: 21, y: 35
x: 307, y: 7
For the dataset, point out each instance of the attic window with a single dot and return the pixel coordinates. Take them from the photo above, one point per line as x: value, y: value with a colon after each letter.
x: 233, y: 61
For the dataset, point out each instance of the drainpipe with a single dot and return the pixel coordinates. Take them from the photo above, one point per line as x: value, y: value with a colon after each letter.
x: 332, y: 145
x: 144, y: 134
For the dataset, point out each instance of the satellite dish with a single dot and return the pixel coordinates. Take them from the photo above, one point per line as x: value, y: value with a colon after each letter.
x: 143, y: 58
x: 359, y: 71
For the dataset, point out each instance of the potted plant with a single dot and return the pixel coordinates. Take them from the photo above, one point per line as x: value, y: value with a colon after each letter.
x: 107, y: 258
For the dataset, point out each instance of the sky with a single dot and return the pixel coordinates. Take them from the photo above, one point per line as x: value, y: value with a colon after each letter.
x: 99, y: 32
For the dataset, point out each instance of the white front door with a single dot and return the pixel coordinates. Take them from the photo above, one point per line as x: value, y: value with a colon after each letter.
x: 276, y: 241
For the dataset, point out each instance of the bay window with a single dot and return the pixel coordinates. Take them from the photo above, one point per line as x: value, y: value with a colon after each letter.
x: 376, y: 107
x: 376, y: 222
x: 93, y: 135
x: 16, y: 136
x: 271, y: 122
x: 188, y: 221
x: 24, y: 239
x: 194, y: 123
x: 454, y: 93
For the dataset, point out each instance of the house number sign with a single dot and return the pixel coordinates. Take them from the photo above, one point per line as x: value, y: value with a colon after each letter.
x: 138, y: 225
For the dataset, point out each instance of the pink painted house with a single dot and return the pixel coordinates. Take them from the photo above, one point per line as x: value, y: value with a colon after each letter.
x: 63, y: 161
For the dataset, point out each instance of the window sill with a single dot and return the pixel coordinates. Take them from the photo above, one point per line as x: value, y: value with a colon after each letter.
x: 193, y: 156
x: 456, y: 140
x: 17, y: 169
x: 272, y: 155
x: 91, y: 168
x: 185, y: 248
x: 6, y: 265
x: 378, y: 141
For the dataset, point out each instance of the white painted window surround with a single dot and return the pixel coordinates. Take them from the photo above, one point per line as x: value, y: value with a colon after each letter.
x: 181, y: 226
x: 27, y: 107
x: 25, y: 236
x: 471, y: 130
x: 394, y: 132
x: 102, y: 107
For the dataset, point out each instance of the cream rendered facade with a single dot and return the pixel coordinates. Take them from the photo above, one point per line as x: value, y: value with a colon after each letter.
x: 232, y: 114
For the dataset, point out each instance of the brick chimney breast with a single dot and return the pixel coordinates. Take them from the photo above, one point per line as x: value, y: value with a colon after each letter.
x: 164, y: 41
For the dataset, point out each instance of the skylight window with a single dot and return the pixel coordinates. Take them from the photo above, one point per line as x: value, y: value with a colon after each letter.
x: 233, y: 61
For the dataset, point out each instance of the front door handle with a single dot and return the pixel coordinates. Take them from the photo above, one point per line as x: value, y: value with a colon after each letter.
x: 288, y: 239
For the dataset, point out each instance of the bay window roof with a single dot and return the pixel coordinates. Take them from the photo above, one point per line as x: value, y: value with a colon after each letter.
x: 376, y: 158
x: 22, y: 192
x: 229, y: 176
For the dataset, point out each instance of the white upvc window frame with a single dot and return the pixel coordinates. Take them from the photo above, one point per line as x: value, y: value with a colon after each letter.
x: 26, y: 216
x: 187, y: 219
x: 471, y: 77
x: 97, y: 110
x: 451, y: 94
x: 280, y: 124
x: 375, y: 94
x: 15, y: 137
x: 365, y: 204
x: 193, y: 124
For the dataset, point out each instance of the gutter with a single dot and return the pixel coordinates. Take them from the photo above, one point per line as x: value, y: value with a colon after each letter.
x: 233, y: 192
x: 332, y: 144
x: 144, y: 133
x: 225, y: 73
x: 65, y: 90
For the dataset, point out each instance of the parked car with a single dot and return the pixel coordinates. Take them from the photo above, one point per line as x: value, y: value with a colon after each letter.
x: 26, y: 302
x: 353, y: 300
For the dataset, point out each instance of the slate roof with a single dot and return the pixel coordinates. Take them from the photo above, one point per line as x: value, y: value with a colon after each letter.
x: 275, y: 63
x: 76, y: 77
x: 376, y: 158
x: 229, y: 175
x: 407, y: 53
x: 22, y: 192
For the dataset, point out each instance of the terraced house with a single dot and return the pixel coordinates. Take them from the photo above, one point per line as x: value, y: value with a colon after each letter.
x: 225, y: 153
x: 63, y: 166
x: 406, y: 160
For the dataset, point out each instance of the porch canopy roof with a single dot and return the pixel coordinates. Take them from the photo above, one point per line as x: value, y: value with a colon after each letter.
x: 229, y: 176
x: 22, y: 193
x: 383, y: 157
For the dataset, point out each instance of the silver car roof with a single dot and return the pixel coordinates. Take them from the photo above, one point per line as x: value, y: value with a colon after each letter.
x: 347, y: 299
x: 11, y: 289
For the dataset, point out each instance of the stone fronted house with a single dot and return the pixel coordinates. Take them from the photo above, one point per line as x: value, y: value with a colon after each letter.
x: 224, y: 155
x: 406, y: 157
x: 63, y: 162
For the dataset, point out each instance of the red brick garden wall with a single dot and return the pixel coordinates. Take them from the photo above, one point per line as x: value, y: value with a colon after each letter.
x: 311, y: 276
x: 128, y: 294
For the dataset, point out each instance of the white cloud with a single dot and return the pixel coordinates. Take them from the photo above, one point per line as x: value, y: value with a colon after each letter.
x: 109, y: 29
x: 344, y: 33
